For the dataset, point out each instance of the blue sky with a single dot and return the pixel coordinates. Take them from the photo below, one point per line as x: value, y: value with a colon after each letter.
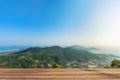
x: 59, y: 22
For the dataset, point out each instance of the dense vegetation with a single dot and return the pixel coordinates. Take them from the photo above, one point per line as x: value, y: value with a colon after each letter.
x: 115, y: 63
x: 55, y: 56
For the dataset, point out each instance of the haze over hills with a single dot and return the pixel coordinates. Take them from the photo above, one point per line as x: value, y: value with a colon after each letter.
x: 99, y: 50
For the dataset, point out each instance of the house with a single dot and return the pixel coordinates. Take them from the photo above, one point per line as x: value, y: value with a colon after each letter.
x: 92, y: 66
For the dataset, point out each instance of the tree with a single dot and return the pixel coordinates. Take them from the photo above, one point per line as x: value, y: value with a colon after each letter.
x: 55, y: 65
x: 115, y: 63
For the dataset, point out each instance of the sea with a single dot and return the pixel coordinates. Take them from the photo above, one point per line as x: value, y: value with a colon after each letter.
x: 12, y: 48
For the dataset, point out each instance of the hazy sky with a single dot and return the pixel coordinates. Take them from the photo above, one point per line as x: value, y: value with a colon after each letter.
x: 60, y: 22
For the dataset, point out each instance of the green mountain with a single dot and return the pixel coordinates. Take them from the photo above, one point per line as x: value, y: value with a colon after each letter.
x: 46, y: 57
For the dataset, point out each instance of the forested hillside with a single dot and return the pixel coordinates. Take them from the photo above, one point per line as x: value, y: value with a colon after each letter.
x: 36, y: 57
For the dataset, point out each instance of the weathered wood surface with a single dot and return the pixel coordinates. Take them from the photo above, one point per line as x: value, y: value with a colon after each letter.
x: 59, y: 74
